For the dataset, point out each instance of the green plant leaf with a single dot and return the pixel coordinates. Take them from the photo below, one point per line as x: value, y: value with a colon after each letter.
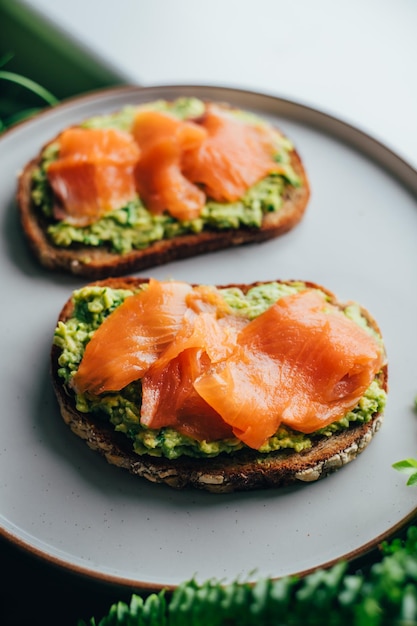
x: 412, y: 480
x: 406, y: 466
x: 31, y: 85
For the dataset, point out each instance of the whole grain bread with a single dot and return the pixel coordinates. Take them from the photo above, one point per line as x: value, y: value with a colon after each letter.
x: 101, y: 262
x: 246, y: 469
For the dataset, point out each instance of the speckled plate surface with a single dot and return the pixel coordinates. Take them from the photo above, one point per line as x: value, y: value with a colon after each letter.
x: 62, y: 502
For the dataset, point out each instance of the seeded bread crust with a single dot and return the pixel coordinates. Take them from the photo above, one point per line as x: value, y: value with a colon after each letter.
x: 245, y: 470
x: 97, y: 263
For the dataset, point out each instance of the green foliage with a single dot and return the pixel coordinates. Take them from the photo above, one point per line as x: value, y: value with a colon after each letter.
x: 13, y: 111
x: 409, y: 467
x: 383, y: 595
x: 149, y: 612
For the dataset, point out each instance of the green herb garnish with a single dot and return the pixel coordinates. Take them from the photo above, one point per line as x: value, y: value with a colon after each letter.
x: 408, y: 466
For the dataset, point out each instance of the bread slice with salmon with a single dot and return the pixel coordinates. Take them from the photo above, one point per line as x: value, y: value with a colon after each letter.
x: 221, y: 388
x: 157, y: 182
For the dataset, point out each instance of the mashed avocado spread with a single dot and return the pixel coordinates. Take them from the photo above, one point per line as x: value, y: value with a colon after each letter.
x: 132, y: 226
x: 92, y: 304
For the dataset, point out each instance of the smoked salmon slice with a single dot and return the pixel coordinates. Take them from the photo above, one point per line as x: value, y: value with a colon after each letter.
x: 132, y: 338
x: 300, y: 363
x: 162, y: 186
x: 168, y: 395
x: 93, y: 173
x: 174, y: 165
x: 150, y: 126
x: 212, y: 374
x: 170, y: 399
x: 234, y: 156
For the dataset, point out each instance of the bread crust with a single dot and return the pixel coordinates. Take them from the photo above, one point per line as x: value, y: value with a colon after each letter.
x: 96, y: 263
x: 244, y: 470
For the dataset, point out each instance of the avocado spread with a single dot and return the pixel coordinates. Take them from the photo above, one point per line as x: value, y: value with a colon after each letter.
x: 92, y: 304
x: 133, y: 227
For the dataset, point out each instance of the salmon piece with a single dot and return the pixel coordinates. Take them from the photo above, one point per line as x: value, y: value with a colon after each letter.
x: 169, y: 398
x: 98, y: 145
x: 162, y: 139
x: 204, y: 299
x: 162, y: 186
x: 93, y: 174
x: 234, y: 156
x: 151, y: 126
x: 204, y: 332
x: 295, y: 364
x: 168, y: 395
x: 132, y: 338
x: 208, y: 336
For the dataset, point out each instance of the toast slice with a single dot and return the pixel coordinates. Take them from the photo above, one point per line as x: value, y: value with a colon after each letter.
x: 243, y: 469
x: 102, y: 260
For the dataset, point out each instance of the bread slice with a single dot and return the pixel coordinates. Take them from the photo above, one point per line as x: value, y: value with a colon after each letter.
x: 95, y: 262
x: 245, y: 469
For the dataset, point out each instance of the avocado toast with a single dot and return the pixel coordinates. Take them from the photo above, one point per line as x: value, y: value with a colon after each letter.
x: 239, y: 181
x: 154, y: 397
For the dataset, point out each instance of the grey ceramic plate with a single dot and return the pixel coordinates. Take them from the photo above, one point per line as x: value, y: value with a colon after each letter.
x: 61, y: 501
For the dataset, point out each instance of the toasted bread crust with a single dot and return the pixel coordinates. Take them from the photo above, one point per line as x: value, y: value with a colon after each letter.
x: 244, y: 470
x: 95, y: 263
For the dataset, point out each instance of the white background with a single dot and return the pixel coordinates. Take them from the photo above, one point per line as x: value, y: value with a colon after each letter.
x: 354, y: 59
